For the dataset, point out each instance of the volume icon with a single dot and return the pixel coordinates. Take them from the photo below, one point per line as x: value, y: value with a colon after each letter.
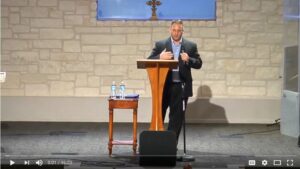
x: 39, y: 162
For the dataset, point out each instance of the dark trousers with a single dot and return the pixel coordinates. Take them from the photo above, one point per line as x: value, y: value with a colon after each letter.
x: 172, y: 98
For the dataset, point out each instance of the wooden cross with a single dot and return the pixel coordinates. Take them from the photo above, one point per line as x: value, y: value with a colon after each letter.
x: 153, y: 3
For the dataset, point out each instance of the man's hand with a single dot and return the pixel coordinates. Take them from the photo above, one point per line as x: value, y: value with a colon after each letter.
x: 166, y: 55
x: 185, y: 57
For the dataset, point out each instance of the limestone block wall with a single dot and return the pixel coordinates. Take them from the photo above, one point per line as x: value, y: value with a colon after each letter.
x: 63, y: 61
x: 58, y: 48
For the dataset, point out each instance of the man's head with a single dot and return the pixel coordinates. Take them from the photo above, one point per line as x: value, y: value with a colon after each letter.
x: 176, y: 30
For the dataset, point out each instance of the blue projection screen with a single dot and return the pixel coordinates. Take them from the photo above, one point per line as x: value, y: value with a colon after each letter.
x: 168, y: 10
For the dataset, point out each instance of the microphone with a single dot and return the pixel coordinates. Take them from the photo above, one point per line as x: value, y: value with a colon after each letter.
x: 183, y: 51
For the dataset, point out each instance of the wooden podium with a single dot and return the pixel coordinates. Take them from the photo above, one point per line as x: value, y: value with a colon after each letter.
x: 157, y: 71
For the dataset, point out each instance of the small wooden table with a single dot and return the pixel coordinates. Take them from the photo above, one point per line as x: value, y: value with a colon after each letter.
x: 122, y: 104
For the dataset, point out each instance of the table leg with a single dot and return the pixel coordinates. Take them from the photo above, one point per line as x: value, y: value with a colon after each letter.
x: 111, y: 118
x: 134, y: 130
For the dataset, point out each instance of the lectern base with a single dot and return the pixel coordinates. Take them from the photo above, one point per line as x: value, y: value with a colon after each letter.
x: 186, y: 158
x: 157, y: 148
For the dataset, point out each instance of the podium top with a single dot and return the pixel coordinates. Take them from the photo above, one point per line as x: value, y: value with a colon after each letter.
x: 145, y: 63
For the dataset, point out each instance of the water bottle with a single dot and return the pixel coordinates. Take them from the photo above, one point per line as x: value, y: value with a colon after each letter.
x: 122, y: 90
x: 113, y: 90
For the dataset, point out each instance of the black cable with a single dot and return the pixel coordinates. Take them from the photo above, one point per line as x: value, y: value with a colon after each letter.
x: 255, y: 132
x: 277, y: 122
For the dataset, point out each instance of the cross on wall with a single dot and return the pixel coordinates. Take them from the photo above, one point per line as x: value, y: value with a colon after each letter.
x: 153, y: 3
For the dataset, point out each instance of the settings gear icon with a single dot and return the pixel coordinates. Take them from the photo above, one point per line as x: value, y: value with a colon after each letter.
x: 264, y: 162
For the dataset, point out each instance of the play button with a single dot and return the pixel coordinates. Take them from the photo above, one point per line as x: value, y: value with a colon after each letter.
x: 11, y: 162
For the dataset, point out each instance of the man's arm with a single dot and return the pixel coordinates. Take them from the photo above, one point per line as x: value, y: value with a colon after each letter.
x: 195, y: 60
x: 155, y: 52
x: 159, y: 52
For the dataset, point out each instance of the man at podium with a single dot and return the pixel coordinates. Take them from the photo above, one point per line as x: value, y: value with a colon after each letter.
x: 178, y: 86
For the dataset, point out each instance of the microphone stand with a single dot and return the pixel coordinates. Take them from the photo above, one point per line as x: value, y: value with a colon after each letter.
x: 185, y: 157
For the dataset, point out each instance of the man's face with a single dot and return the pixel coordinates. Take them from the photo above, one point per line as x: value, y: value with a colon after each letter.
x: 176, y: 31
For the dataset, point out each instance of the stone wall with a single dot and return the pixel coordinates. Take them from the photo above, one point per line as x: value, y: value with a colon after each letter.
x: 58, y: 48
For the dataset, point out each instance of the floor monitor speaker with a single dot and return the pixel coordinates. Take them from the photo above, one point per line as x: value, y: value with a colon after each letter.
x: 157, y: 148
